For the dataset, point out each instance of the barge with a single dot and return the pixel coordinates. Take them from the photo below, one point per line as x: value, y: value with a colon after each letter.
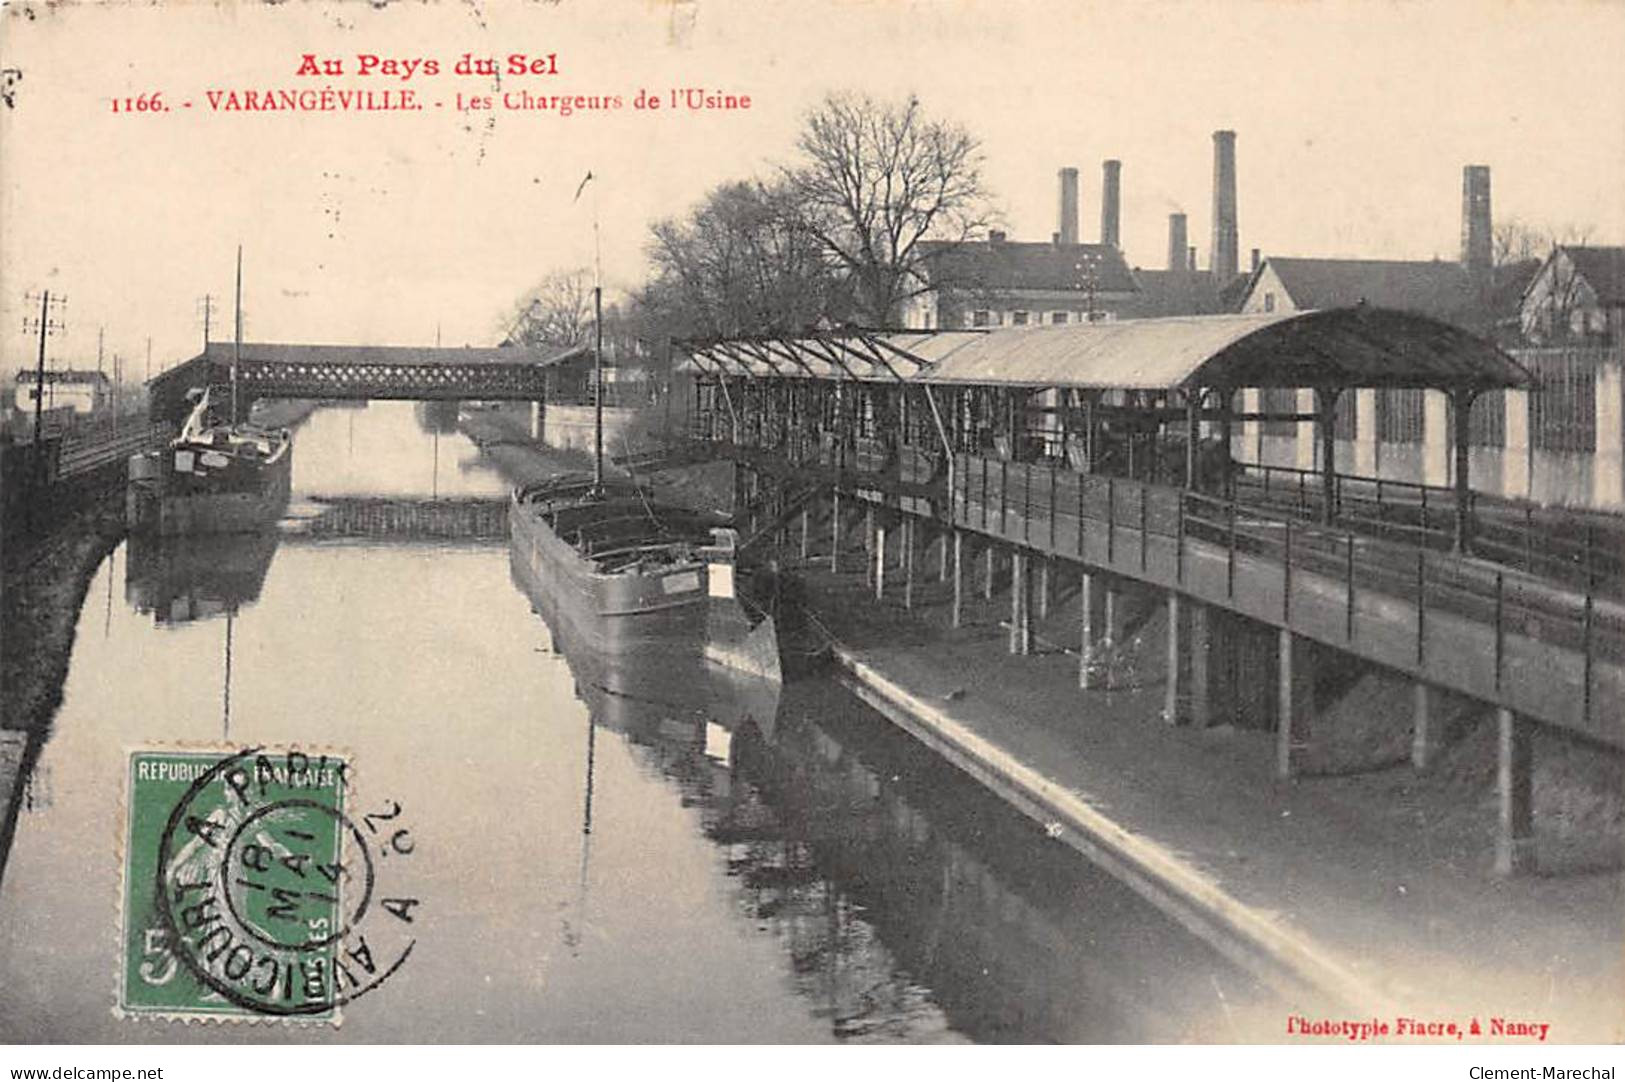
x: 212, y: 478
x: 624, y: 571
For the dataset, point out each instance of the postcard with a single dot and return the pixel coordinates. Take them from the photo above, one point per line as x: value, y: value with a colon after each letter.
x: 887, y: 522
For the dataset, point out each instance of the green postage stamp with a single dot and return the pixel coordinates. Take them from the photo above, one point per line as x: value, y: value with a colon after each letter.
x: 248, y: 886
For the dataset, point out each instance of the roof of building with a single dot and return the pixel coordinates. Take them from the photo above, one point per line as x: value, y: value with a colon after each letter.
x: 1174, y: 293
x: 1512, y: 281
x: 62, y: 375
x: 1003, y: 265
x: 1360, y: 346
x: 1432, y: 287
x: 1603, y: 268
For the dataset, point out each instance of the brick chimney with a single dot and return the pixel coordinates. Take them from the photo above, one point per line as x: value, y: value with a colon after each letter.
x: 1069, y: 205
x: 1224, y: 256
x: 1111, y: 202
x: 1477, y: 251
x: 1177, y: 260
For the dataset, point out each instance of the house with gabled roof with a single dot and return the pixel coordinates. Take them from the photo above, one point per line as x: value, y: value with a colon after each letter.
x: 1578, y: 296
x: 1430, y: 287
x: 1003, y: 283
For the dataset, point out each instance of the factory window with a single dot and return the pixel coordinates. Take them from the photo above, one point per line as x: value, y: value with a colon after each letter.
x: 1399, y: 415
x: 1057, y: 317
x: 1563, y: 405
x: 1019, y: 318
x: 1279, y: 400
x: 1269, y: 302
x: 1345, y: 419
x: 979, y: 318
x: 1487, y: 423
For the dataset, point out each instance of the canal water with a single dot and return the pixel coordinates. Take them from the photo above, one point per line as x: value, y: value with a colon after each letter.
x: 652, y: 853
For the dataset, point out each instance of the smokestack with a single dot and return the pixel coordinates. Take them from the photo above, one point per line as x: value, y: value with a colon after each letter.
x: 1190, y: 258
x: 1257, y: 259
x: 1069, y: 205
x: 1177, y: 260
x: 1224, y: 255
x: 1111, y: 199
x: 1476, y: 252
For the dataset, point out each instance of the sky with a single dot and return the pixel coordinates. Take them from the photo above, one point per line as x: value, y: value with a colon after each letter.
x: 1354, y: 121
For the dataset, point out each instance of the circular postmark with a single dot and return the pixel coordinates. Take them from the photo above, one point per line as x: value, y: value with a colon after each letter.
x: 272, y: 890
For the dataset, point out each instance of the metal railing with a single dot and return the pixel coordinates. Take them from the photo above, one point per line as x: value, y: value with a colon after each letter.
x: 1045, y: 506
x: 1582, y: 549
x: 89, y: 450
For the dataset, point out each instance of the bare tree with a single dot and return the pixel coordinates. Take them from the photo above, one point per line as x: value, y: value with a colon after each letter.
x: 739, y: 263
x: 558, y: 312
x: 874, y: 180
x: 1513, y: 241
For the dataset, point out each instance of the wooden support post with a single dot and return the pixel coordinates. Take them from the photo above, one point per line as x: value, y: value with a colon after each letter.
x: 908, y: 563
x: 942, y: 555
x: 869, y: 544
x: 1115, y: 625
x: 1515, y: 769
x: 959, y: 577
x: 1296, y: 703
x: 1172, y: 709
x: 1461, y: 409
x: 1043, y: 588
x: 987, y: 577
x: 806, y: 546
x: 1327, y: 402
x: 1090, y: 605
x: 835, y: 534
x: 1198, y: 632
x: 880, y: 562
x: 1019, y: 635
x: 1424, y: 734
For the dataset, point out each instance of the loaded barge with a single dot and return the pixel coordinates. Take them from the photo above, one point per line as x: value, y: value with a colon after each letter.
x: 212, y: 478
x: 623, y: 571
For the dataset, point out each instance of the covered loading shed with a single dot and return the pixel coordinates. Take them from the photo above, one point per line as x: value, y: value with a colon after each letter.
x: 1160, y: 371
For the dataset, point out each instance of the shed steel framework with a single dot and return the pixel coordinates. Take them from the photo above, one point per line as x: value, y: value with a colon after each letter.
x: 1147, y: 399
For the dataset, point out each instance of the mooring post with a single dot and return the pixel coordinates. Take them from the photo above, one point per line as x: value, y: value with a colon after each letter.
x: 959, y: 577
x: 1515, y: 769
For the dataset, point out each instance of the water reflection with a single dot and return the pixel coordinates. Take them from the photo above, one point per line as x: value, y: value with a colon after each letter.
x: 181, y: 579
x: 389, y: 449
x: 908, y: 904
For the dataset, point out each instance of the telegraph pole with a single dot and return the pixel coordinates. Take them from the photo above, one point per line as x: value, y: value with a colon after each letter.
x: 237, y: 339
x: 45, y: 326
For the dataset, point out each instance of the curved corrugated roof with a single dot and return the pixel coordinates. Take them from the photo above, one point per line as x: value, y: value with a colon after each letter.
x: 1344, y: 347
